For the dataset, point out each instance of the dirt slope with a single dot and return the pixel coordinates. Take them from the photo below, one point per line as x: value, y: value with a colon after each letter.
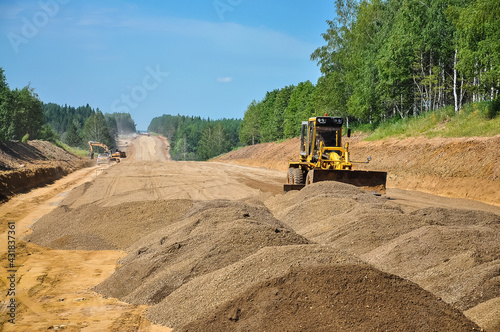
x: 207, y: 243
x: 24, y: 166
x: 452, y: 167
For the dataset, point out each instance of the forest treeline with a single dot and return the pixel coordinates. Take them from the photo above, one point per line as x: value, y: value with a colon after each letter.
x: 21, y: 112
x: 77, y: 126
x: 194, y: 138
x: 390, y: 59
x: 24, y: 116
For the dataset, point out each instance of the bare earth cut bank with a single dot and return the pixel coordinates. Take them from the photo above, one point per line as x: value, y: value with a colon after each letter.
x: 24, y: 166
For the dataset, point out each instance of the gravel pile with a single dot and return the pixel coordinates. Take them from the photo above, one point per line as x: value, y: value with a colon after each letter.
x: 213, y: 235
x: 339, y: 297
x: 453, y: 253
x: 342, y: 215
x: 461, y: 264
x: 312, y: 260
x: 202, y: 297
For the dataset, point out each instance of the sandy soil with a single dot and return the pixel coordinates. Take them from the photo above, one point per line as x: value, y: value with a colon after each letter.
x: 192, y: 244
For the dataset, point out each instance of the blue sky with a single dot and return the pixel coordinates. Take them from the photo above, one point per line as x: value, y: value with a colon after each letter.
x: 207, y: 58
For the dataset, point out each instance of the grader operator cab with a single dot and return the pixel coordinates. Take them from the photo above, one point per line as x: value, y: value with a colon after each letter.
x: 323, y: 158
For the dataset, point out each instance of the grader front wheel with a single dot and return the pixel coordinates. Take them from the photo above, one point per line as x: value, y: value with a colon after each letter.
x: 309, y: 177
x: 294, y: 179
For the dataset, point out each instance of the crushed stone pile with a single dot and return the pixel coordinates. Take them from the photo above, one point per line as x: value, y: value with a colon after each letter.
x: 456, y: 257
x: 342, y: 215
x: 340, y: 297
x: 486, y: 314
x: 201, y: 297
x: 451, y: 252
x: 304, y: 288
x: 92, y: 227
x: 212, y: 235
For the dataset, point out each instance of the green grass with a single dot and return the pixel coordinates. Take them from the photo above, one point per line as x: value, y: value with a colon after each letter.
x: 475, y: 119
x: 76, y: 151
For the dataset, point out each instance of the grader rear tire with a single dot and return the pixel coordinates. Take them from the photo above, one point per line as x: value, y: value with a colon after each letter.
x: 289, y: 178
x: 298, y: 176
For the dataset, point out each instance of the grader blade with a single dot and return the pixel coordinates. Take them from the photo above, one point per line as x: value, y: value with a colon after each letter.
x: 287, y: 187
x: 367, y: 180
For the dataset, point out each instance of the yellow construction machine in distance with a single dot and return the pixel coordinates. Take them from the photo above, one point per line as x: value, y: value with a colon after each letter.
x: 116, y: 156
x: 323, y: 158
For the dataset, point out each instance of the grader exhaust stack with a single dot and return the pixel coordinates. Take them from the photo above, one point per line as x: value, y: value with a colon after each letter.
x: 323, y: 158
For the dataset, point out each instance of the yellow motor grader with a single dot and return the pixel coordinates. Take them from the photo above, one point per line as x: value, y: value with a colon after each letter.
x: 323, y: 158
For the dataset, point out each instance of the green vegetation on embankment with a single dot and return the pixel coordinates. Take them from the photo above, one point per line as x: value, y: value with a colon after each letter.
x: 475, y: 119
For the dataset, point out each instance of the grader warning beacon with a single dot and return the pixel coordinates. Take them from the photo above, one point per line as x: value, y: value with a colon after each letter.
x: 323, y: 158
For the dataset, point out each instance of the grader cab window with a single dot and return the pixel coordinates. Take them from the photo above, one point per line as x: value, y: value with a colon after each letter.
x: 303, y: 139
x: 311, y: 139
x: 330, y: 136
x: 329, y: 131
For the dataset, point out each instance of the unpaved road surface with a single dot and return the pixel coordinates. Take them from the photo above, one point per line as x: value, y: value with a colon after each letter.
x: 212, y: 246
x: 147, y: 175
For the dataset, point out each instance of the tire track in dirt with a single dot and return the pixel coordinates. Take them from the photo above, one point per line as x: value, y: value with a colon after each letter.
x: 111, y: 189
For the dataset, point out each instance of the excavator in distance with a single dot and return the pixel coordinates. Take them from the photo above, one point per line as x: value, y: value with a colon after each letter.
x: 116, y: 156
x: 323, y: 158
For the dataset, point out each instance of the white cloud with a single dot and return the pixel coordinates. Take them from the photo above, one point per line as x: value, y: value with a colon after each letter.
x: 101, y: 17
x: 224, y: 79
x: 231, y: 38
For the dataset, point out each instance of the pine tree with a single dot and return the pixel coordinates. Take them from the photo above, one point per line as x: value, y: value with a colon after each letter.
x: 96, y: 129
x: 72, y: 138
